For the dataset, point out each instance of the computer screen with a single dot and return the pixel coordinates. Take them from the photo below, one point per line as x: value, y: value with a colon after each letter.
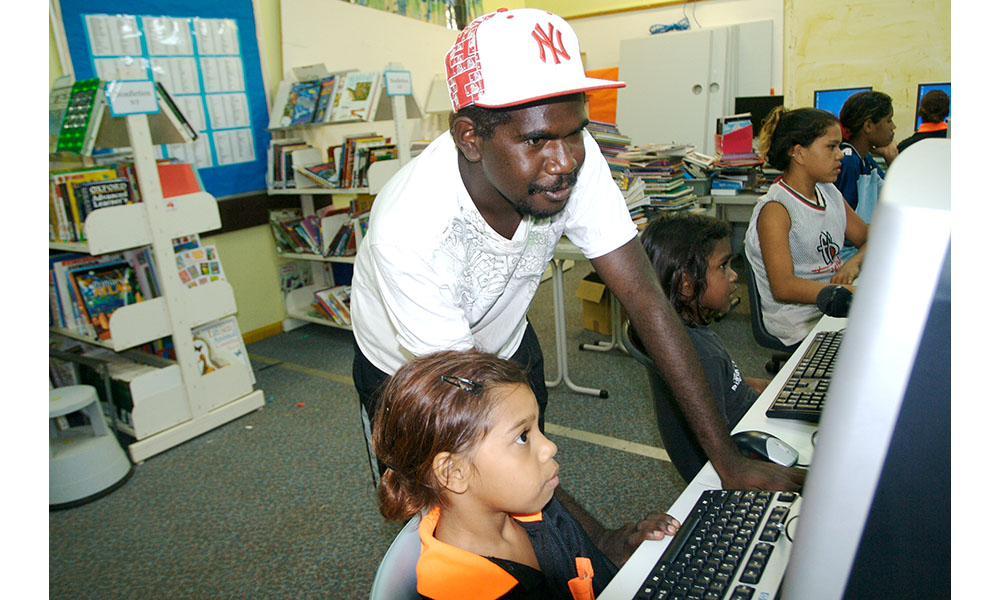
x: 922, y: 89
x: 758, y: 107
x: 832, y: 100
x: 876, y: 506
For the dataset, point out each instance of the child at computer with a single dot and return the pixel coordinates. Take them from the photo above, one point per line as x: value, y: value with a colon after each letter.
x: 799, y: 226
x: 692, y: 256
x: 934, y: 108
x: 867, y: 127
x: 458, y: 431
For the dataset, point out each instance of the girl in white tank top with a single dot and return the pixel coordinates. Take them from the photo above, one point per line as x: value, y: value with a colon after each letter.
x: 798, y: 228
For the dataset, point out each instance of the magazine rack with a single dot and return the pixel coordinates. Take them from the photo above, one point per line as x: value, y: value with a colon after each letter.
x: 174, y: 403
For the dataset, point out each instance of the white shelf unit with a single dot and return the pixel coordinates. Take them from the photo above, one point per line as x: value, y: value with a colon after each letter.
x: 175, y: 403
x: 298, y: 301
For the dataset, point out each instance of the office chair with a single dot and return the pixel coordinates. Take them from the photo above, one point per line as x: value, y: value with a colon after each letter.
x: 396, y: 578
x: 760, y: 333
x: 678, y: 440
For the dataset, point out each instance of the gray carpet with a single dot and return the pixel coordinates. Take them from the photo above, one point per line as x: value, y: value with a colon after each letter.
x: 279, y: 504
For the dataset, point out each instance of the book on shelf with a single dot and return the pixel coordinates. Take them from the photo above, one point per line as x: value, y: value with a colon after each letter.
x: 174, y: 114
x: 293, y: 275
x: 198, y: 266
x: 296, y: 158
x: 102, y: 289
x: 323, y: 174
x: 82, y: 117
x: 102, y: 194
x: 353, y: 147
x: 723, y: 191
x: 304, y: 98
x: 357, y: 99
x: 324, y: 103
x: 68, y: 305
x: 219, y: 344
x: 66, y: 203
x: 335, y: 302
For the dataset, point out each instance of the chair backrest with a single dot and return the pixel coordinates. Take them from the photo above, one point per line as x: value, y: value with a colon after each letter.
x: 678, y: 440
x: 760, y: 333
x: 396, y: 578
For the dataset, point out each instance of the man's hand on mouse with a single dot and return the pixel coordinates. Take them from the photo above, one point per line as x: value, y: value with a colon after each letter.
x: 743, y: 473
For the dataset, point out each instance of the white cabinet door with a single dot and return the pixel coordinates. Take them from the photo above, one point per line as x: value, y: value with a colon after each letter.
x: 679, y: 83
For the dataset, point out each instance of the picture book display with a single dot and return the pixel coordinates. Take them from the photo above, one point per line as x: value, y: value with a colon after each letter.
x: 198, y: 266
x: 219, y: 344
x: 101, y: 289
x: 336, y: 302
x: 357, y: 100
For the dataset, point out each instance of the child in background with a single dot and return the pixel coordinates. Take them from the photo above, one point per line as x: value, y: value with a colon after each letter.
x: 866, y: 124
x: 799, y: 226
x: 691, y: 255
x: 459, y: 434
x: 934, y: 108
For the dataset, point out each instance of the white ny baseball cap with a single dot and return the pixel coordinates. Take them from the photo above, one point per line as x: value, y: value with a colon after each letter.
x: 511, y: 57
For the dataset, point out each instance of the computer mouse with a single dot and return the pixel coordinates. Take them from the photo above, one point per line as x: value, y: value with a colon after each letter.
x: 764, y: 446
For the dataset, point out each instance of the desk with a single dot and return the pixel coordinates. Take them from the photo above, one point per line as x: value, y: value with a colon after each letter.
x: 797, y: 433
x: 566, y: 250
x: 733, y: 209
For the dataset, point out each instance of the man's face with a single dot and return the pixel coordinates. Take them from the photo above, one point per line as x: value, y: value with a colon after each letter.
x: 533, y: 160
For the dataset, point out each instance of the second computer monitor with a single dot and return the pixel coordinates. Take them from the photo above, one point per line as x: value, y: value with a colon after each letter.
x: 832, y: 100
x: 922, y: 89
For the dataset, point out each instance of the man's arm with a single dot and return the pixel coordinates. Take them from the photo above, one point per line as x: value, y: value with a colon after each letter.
x: 630, y: 277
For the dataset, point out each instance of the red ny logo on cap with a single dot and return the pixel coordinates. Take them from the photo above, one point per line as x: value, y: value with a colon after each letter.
x: 549, y: 41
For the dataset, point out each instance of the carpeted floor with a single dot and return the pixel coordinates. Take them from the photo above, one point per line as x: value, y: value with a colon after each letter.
x: 279, y: 503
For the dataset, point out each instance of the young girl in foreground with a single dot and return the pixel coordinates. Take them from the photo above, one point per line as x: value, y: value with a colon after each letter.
x: 691, y: 255
x: 459, y: 434
x: 798, y: 228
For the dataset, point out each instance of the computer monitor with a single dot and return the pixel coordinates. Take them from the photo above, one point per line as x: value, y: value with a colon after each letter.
x: 875, y: 515
x: 832, y: 100
x: 758, y: 107
x: 922, y: 89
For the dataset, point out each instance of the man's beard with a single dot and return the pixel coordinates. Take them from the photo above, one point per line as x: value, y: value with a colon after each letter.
x: 525, y: 208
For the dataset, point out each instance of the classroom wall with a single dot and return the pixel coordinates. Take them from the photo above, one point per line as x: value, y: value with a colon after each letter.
x: 891, y: 45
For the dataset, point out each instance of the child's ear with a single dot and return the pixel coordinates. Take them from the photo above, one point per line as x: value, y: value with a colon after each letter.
x: 687, y: 287
x: 452, y: 471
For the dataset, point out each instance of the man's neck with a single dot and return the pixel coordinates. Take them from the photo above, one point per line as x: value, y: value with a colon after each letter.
x: 496, y: 210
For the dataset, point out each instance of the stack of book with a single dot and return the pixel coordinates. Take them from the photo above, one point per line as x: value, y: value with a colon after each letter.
x: 613, y: 143
x: 733, y: 180
x: 334, y: 303
x: 330, y: 232
x: 734, y: 141
x: 664, y: 186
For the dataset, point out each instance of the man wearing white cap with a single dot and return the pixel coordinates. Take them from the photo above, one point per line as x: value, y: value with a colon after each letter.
x: 459, y: 238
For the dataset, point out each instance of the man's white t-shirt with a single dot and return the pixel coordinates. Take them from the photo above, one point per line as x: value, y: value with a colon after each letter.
x: 432, y: 275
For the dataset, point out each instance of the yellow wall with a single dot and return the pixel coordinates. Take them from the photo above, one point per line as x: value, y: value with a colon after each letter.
x: 891, y: 45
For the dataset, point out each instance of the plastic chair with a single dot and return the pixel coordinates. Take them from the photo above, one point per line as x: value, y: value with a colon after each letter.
x: 760, y: 333
x: 678, y: 440
x: 396, y: 578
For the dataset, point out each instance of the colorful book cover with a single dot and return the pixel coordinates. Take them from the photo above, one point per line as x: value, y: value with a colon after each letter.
x: 306, y: 96
x: 220, y: 344
x: 327, y: 87
x: 358, y: 96
x: 102, y: 194
x: 324, y: 174
x: 103, y: 289
x: 294, y: 274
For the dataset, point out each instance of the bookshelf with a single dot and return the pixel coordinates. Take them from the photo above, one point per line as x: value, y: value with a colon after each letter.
x: 174, y: 402
x: 398, y: 108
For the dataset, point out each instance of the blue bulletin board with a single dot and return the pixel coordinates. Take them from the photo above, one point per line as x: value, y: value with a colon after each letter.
x: 207, y: 57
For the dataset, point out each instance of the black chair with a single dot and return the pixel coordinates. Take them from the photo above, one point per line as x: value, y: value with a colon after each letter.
x: 678, y: 440
x: 760, y: 333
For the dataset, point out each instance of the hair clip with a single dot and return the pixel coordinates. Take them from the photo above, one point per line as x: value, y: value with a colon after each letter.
x: 466, y: 385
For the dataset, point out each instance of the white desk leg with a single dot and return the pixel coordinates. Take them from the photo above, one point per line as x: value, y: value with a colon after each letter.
x: 562, y: 360
x: 616, y: 331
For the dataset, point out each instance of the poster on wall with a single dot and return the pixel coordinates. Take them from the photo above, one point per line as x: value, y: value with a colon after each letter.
x: 205, y: 55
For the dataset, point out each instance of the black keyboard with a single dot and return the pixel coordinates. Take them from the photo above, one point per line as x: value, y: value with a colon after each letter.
x: 723, y: 549
x: 804, y: 393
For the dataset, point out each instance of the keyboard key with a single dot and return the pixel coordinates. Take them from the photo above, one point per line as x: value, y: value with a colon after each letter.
x: 742, y: 592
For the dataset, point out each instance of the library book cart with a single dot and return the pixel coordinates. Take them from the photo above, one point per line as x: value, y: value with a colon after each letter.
x: 175, y: 402
x: 398, y: 108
